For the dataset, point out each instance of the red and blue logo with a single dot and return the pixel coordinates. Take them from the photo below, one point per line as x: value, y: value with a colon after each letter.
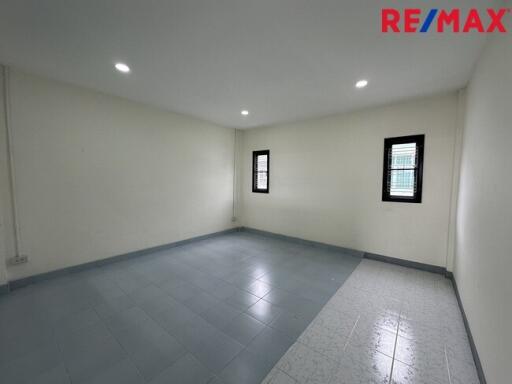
x: 413, y: 20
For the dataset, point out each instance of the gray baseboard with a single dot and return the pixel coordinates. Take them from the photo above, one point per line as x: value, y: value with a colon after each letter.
x: 354, y: 252
x: 407, y: 263
x: 472, y: 344
x: 298, y: 240
x: 4, y: 288
x: 19, y: 283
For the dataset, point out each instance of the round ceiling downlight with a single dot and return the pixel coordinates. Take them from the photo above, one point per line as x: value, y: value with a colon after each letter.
x: 361, y: 83
x: 122, y: 67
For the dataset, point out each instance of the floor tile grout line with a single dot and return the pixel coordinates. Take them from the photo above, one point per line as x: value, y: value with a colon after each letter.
x: 241, y: 312
x: 394, y: 349
x: 447, y: 365
x: 351, y: 332
x: 228, y: 282
x: 120, y: 345
x: 286, y: 374
x: 245, y: 347
x: 173, y: 336
x: 62, y: 356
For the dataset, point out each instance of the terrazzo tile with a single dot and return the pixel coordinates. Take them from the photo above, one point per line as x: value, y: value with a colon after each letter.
x: 419, y: 354
x: 368, y: 326
x: 363, y: 367
x: 462, y: 372
x: 276, y: 376
x: 307, y: 366
x: 374, y: 338
x: 405, y: 374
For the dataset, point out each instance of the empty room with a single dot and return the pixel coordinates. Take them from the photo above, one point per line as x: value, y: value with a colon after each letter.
x: 255, y: 192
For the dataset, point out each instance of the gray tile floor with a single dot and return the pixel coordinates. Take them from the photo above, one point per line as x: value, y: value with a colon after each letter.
x: 386, y: 324
x: 223, y: 310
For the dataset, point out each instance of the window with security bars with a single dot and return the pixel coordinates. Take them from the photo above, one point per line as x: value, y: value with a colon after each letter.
x: 260, y: 171
x: 403, y: 169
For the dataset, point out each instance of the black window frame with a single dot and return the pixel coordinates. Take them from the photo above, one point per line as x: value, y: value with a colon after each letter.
x: 386, y: 175
x: 255, y: 171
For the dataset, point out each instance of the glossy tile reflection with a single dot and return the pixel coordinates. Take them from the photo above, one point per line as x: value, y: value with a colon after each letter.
x: 223, y: 310
x: 386, y: 324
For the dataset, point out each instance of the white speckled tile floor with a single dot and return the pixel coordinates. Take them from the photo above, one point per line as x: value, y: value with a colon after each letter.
x: 386, y: 324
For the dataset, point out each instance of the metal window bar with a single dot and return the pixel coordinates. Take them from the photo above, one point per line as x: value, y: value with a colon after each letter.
x: 402, y: 167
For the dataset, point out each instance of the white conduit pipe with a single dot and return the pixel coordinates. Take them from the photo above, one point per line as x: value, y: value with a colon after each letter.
x: 10, y: 159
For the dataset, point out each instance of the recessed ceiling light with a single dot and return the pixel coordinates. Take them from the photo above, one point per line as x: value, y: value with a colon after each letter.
x: 245, y: 112
x: 122, y: 67
x: 361, y: 83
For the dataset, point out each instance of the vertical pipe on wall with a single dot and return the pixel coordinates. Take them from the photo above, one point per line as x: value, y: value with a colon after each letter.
x: 10, y: 159
x: 454, y: 194
x: 235, y: 146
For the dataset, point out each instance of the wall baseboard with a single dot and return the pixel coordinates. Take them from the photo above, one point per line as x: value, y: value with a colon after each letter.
x: 472, y: 344
x: 4, y: 288
x: 407, y: 263
x: 19, y: 283
x: 354, y: 252
x: 298, y: 240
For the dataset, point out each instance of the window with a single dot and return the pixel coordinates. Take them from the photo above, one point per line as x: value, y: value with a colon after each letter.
x: 260, y: 169
x: 403, y: 169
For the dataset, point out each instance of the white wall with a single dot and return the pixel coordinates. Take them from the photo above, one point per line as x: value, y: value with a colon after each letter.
x: 483, y: 263
x: 98, y: 176
x: 326, y: 180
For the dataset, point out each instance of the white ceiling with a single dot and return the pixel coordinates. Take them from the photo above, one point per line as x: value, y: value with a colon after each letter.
x: 283, y: 60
